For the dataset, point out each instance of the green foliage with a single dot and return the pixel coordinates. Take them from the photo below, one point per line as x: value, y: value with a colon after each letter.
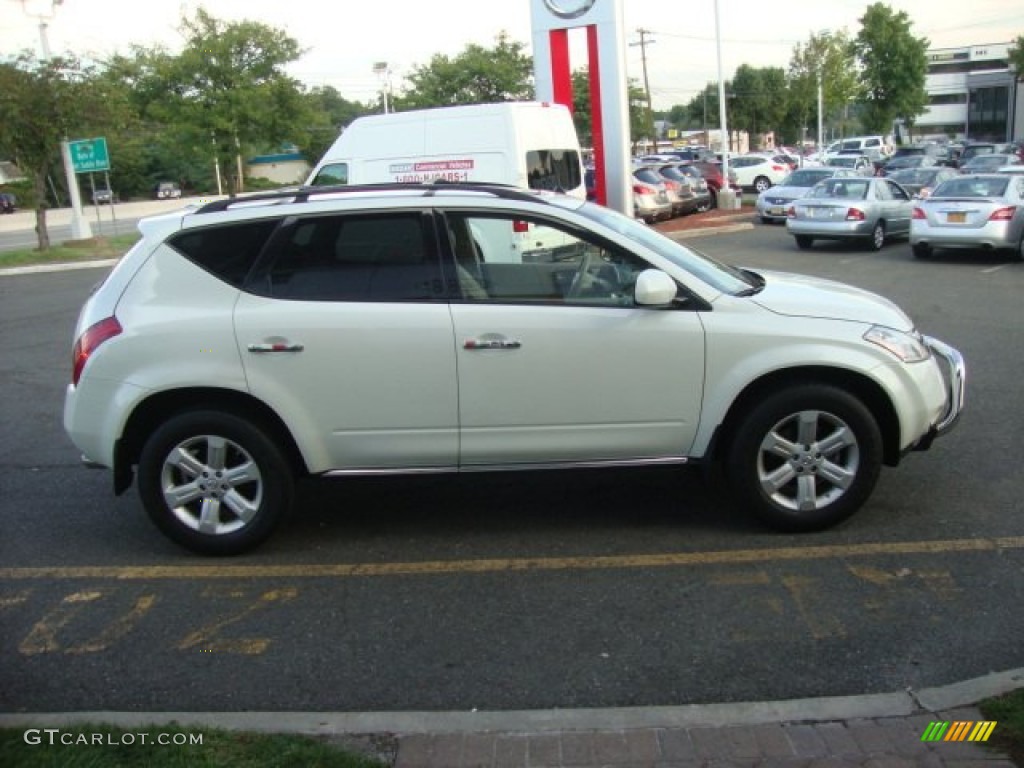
x: 893, y: 67
x: 218, y: 748
x: 759, y: 102
x: 225, y: 93
x: 43, y: 103
x: 830, y: 55
x: 330, y: 113
x: 1017, y: 57
x: 582, y: 114
x: 478, y: 75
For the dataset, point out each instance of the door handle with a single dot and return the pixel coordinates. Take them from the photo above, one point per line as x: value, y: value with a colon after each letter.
x: 492, y: 344
x: 278, y: 347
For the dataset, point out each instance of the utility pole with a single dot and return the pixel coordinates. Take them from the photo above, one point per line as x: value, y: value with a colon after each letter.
x: 644, y: 42
x: 44, y: 41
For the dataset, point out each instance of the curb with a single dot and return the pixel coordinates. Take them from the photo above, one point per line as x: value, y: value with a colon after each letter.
x: 686, y: 234
x: 66, y: 266
x: 815, y: 710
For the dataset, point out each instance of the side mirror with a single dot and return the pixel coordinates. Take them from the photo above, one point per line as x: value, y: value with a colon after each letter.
x: 654, y: 288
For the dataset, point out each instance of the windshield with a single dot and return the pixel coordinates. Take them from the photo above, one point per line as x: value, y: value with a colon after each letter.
x: 912, y: 176
x: 805, y: 178
x: 842, y: 162
x: 720, y: 276
x: 987, y: 162
x: 987, y: 186
x: 844, y: 189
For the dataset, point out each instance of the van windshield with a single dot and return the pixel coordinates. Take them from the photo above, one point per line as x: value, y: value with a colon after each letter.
x: 555, y: 170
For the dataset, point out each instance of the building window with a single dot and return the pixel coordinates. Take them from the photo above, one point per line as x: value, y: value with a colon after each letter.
x: 987, y: 113
x: 938, y: 99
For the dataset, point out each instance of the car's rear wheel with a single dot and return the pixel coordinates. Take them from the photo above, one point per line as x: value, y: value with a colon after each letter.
x: 761, y: 183
x: 214, y: 483
x: 804, y: 242
x: 921, y: 251
x: 805, y: 458
x: 877, y: 236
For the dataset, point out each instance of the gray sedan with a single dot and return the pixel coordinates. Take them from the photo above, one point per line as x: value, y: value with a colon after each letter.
x: 981, y: 211
x: 773, y: 203
x: 864, y: 209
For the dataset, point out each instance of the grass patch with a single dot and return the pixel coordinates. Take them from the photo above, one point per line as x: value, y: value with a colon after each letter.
x: 72, y: 250
x: 1008, y: 712
x: 123, y: 748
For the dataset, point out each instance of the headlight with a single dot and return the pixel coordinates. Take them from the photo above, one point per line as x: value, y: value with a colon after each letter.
x: 907, y: 347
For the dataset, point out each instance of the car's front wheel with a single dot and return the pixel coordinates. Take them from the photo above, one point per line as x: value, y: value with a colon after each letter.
x: 805, y: 458
x: 213, y: 482
x: 804, y: 242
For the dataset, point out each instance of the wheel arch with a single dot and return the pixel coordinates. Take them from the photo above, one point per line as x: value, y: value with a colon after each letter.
x: 863, y: 388
x: 160, y: 406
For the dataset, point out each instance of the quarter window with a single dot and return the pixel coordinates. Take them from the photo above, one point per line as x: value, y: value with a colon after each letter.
x: 331, y: 175
x: 355, y: 258
x: 227, y: 251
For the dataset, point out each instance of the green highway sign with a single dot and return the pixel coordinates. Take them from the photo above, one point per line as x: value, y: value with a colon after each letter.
x: 89, y: 155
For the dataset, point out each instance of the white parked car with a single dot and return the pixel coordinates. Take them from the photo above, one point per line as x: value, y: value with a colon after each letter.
x: 758, y: 172
x: 398, y: 329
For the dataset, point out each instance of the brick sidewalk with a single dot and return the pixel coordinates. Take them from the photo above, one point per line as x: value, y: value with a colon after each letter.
x: 893, y: 742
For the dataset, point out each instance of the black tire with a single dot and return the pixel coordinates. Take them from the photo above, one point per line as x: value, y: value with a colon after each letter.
x: 877, y: 239
x: 833, y: 466
x: 186, y: 453
x: 761, y: 183
x: 921, y: 251
x: 766, y: 220
x: 804, y: 242
x: 714, y: 200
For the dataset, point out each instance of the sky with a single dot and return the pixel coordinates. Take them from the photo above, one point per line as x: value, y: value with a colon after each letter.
x: 343, y: 39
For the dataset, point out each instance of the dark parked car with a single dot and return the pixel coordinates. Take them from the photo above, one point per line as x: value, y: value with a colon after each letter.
x: 166, y: 190
x: 104, y: 196
x: 909, y: 161
x: 8, y: 202
x: 920, y: 182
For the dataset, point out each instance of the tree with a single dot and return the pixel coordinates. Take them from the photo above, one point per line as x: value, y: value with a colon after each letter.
x: 226, y: 92
x: 329, y: 114
x: 1016, y: 53
x: 44, y: 103
x: 582, y: 117
x: 830, y: 56
x: 893, y: 67
x: 476, y: 76
x: 759, y: 103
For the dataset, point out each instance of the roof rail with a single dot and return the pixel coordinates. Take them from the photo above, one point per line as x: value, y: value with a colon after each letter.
x: 303, y: 194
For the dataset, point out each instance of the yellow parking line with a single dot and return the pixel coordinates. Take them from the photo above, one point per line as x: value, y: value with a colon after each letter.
x: 595, y: 562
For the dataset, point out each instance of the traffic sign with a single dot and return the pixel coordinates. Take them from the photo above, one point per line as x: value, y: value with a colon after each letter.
x: 89, y: 155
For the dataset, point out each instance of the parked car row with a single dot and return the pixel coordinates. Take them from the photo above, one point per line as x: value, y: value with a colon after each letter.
x: 664, y: 186
x: 977, y: 211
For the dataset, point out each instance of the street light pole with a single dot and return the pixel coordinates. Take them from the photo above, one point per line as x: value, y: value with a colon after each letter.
x: 726, y: 197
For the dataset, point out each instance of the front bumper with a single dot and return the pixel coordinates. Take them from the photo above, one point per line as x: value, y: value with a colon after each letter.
x: 955, y: 374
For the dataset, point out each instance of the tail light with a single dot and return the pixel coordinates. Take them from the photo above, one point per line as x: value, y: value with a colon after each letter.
x: 520, y: 226
x: 791, y: 212
x: 673, y: 185
x: 918, y: 213
x: 89, y: 342
x: 642, y: 189
x: 1003, y: 214
x: 780, y: 168
x: 854, y: 214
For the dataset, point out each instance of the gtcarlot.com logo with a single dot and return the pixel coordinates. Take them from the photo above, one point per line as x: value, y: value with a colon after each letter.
x: 56, y: 737
x: 959, y: 730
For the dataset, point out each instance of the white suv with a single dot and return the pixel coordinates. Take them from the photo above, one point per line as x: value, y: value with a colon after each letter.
x: 398, y: 329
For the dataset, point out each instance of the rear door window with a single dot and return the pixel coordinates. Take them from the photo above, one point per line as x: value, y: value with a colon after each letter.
x: 355, y: 257
x: 332, y: 175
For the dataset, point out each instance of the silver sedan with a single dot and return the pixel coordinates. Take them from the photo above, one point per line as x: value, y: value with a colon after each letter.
x: 982, y: 211
x: 864, y: 209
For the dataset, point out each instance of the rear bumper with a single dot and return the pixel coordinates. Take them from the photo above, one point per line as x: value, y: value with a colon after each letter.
x: 995, y: 234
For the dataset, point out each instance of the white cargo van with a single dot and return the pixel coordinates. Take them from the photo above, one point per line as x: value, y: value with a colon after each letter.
x: 527, y: 144
x: 524, y: 143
